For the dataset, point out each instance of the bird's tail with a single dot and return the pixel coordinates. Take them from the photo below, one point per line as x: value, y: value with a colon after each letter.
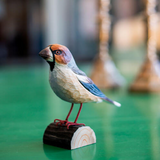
x: 113, y: 102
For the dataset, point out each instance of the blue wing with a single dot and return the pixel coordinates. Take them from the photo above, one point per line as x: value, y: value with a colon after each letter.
x: 87, y: 83
x: 84, y: 80
x: 91, y: 87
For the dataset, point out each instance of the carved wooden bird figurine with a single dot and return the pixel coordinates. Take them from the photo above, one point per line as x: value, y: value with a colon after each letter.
x: 69, y: 82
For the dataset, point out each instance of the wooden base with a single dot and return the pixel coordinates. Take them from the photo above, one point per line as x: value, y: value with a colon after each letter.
x: 105, y: 74
x: 148, y: 79
x: 74, y: 137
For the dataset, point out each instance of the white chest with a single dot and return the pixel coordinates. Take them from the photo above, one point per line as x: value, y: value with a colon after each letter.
x: 66, y: 85
x: 61, y: 77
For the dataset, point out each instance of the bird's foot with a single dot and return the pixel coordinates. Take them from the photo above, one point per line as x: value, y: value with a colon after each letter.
x: 58, y: 121
x: 68, y: 124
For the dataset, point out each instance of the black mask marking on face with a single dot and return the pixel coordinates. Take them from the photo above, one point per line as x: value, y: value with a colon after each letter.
x: 52, y: 64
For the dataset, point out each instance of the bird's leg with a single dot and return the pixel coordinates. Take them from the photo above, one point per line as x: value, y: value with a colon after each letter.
x: 69, y: 112
x: 66, y: 120
x: 75, y: 122
x: 78, y: 113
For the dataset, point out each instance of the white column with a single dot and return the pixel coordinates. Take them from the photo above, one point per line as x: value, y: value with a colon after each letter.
x: 55, y: 20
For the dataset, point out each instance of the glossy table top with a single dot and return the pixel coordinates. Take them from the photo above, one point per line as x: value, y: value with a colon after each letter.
x: 28, y: 105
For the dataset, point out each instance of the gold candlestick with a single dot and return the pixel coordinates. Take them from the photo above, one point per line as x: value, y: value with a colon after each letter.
x: 148, y: 79
x: 105, y: 74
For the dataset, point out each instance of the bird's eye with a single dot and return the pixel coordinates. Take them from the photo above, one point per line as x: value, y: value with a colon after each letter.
x: 58, y: 52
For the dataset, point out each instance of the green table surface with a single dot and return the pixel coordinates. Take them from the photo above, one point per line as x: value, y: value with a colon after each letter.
x: 28, y: 105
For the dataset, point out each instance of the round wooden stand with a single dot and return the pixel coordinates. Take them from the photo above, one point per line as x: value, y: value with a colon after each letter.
x: 74, y: 137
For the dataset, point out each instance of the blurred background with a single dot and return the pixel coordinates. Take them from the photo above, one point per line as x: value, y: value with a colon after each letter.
x: 27, y: 26
x: 27, y: 103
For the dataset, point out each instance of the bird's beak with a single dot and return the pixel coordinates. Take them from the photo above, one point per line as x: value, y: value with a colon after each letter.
x: 46, y: 54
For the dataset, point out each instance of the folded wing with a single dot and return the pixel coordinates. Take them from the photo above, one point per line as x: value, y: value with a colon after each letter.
x: 88, y: 84
x: 92, y: 88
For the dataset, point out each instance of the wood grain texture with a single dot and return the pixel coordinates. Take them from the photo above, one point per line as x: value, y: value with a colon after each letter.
x: 72, y: 138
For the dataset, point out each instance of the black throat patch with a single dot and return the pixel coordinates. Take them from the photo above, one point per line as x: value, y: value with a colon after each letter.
x: 51, y: 64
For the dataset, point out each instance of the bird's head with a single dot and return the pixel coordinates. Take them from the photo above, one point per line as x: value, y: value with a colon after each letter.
x: 56, y: 53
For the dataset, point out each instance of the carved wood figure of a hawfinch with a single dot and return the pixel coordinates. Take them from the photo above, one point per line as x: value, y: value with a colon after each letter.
x: 69, y: 82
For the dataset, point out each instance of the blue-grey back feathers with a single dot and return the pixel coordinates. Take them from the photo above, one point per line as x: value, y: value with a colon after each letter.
x: 89, y: 85
x: 72, y: 65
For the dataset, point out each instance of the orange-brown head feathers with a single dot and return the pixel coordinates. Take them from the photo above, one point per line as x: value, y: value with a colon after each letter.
x: 61, y: 53
x: 56, y: 53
